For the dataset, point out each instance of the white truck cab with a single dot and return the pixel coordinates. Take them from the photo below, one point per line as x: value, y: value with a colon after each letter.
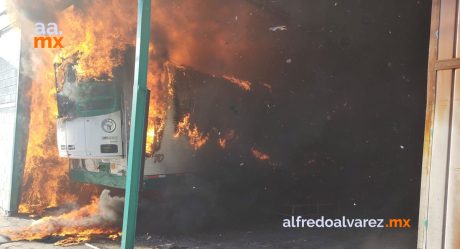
x: 93, y: 132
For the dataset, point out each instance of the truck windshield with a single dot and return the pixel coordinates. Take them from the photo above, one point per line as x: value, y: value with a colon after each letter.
x: 95, y: 104
x: 88, y: 99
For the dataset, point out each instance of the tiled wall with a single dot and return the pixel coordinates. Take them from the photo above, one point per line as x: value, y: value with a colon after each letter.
x: 7, y: 117
x: 8, y: 83
x: 9, y: 66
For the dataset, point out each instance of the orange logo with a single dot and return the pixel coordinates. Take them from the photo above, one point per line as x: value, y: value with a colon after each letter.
x: 48, y: 36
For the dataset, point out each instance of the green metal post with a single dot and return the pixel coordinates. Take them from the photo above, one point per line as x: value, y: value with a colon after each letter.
x: 137, y: 132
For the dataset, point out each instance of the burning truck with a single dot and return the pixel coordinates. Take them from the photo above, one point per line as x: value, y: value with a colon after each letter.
x: 93, y: 130
x: 202, y: 144
x: 92, y: 125
x: 94, y: 114
x: 238, y: 126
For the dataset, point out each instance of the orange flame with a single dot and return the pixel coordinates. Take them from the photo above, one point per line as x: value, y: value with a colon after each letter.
x: 159, y: 81
x: 260, y: 155
x: 246, y: 85
x: 196, y: 138
x: 100, y: 37
x: 45, y: 182
x: 101, y: 34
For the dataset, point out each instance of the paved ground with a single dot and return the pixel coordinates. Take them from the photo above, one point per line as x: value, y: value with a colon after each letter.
x: 267, y: 236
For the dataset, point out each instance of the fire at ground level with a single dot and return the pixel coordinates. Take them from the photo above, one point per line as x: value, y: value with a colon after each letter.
x: 270, y: 235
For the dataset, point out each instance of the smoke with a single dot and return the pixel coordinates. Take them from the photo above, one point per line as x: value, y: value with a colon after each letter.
x: 218, y: 40
x: 38, y: 11
x: 110, y: 208
x: 214, y: 38
x: 25, y: 14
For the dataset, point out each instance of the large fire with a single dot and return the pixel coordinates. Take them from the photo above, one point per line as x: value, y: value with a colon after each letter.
x: 45, y: 182
x: 159, y: 81
x: 101, y: 31
x: 100, y: 35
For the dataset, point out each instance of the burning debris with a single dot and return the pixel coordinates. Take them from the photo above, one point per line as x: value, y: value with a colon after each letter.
x: 260, y: 155
x: 244, y: 84
x: 99, y: 218
x: 196, y: 138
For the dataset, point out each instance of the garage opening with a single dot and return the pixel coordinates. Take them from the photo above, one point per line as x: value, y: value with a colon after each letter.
x: 259, y: 112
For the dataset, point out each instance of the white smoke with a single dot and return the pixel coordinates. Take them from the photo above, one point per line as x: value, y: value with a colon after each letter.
x: 111, y: 208
x: 110, y: 212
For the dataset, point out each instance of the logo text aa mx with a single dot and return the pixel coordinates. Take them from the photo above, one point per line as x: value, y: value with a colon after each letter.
x: 47, y: 36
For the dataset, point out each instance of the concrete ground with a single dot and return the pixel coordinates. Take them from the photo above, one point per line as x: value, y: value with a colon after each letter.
x: 266, y: 236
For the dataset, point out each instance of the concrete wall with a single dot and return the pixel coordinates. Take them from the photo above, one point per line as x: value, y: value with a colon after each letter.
x: 10, y: 39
